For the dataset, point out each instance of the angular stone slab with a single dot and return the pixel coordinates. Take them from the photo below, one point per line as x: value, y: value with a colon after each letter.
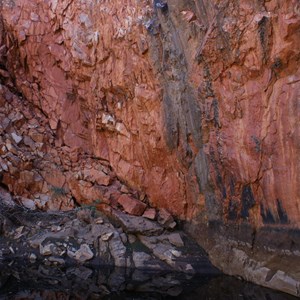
x: 135, y: 225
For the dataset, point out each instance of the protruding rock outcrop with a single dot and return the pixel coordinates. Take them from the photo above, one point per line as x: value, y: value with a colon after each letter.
x: 87, y: 237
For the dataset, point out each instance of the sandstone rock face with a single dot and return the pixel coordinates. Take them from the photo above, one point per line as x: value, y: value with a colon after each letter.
x: 194, y: 104
x: 97, y: 87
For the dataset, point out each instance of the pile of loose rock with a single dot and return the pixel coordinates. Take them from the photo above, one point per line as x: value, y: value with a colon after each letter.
x: 87, y: 236
x: 44, y: 174
x: 43, y: 182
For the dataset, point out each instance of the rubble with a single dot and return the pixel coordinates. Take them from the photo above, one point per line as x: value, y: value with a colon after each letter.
x: 66, y: 238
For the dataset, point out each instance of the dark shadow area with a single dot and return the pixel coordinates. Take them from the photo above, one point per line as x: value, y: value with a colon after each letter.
x: 19, y: 280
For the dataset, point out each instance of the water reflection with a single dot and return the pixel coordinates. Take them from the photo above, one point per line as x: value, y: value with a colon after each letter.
x: 21, y: 281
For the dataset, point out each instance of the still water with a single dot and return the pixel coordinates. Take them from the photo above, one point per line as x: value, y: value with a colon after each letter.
x: 26, y: 281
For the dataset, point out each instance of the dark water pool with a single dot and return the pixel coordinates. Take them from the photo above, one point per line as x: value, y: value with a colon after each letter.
x: 25, y: 281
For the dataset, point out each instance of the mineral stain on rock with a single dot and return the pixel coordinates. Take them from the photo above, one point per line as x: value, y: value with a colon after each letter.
x: 247, y: 201
x: 267, y: 215
x: 263, y: 36
x: 283, y: 218
x: 185, y: 106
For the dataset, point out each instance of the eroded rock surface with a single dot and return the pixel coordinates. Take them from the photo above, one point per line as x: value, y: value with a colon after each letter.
x: 87, y: 237
x: 192, y: 106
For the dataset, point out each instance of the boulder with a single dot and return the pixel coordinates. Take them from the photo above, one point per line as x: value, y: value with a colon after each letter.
x: 47, y: 250
x: 131, y: 205
x: 140, y: 259
x: 176, y: 240
x: 150, y: 213
x: 16, y: 138
x: 165, y: 219
x: 106, y: 237
x: 28, y: 203
x: 84, y: 253
x: 135, y: 225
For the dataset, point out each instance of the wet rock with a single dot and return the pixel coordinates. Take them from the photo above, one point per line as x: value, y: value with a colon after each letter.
x: 164, y: 251
x: 284, y: 282
x: 47, y: 250
x: 84, y: 253
x: 71, y: 252
x: 82, y: 272
x: 175, y: 239
x: 55, y: 228
x: 140, y: 259
x: 131, y: 238
x: 265, y: 273
x: 56, y: 260
x: 118, y: 251
x: 131, y: 205
x: 189, y: 269
x: 176, y: 253
x: 32, y: 257
x: 97, y: 230
x: 19, y: 232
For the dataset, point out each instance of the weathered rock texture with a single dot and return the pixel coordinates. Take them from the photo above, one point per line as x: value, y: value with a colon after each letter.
x: 87, y: 237
x: 194, y: 104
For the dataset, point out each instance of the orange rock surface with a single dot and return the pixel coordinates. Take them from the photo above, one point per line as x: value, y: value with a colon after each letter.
x: 191, y: 106
x: 197, y: 106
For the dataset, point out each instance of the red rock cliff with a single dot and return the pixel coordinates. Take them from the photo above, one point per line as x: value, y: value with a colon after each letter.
x: 194, y: 103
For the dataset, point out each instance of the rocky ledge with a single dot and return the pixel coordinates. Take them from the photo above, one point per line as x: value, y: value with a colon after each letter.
x: 89, y: 237
x: 268, y: 256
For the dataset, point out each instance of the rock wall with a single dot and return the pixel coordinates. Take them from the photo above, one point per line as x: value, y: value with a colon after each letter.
x: 194, y: 104
x: 87, y: 68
